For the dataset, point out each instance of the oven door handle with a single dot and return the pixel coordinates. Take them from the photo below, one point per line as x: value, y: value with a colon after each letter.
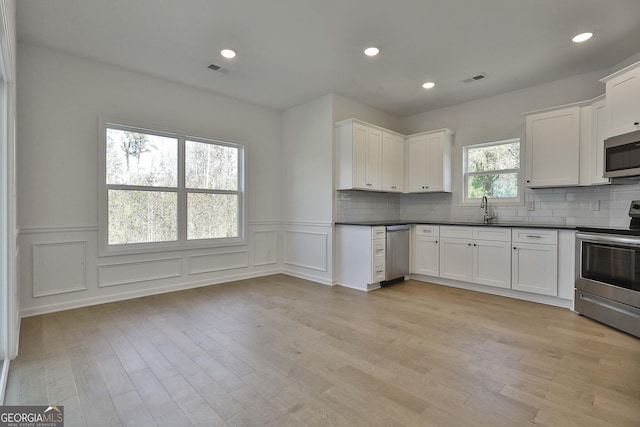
x: 607, y: 238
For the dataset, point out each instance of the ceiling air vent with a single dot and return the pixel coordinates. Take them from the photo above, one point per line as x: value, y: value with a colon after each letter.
x: 214, y: 67
x: 475, y: 78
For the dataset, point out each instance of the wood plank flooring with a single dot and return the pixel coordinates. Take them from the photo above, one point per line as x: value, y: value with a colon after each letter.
x: 281, y: 351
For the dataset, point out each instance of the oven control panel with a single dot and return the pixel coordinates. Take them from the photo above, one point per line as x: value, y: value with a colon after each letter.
x: 634, y: 209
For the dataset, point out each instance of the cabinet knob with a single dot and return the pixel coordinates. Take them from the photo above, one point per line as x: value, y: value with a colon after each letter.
x: 528, y: 180
x: 514, y: 248
x: 475, y: 244
x: 636, y: 124
x: 468, y: 244
x: 436, y: 242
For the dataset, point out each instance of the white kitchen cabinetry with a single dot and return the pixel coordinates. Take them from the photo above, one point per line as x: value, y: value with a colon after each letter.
x: 359, y: 151
x: 592, y: 135
x: 535, y: 261
x: 426, y: 250
x: 429, y: 163
x: 476, y: 254
x: 553, y: 147
x: 361, y: 255
x: 392, y: 162
x: 623, y: 100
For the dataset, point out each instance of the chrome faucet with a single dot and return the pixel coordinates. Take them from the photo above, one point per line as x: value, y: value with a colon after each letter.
x: 485, y: 204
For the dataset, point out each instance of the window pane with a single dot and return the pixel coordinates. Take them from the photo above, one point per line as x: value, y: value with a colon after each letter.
x: 211, y: 166
x: 211, y: 216
x: 493, y: 186
x: 494, y: 157
x: 142, y: 216
x: 135, y: 158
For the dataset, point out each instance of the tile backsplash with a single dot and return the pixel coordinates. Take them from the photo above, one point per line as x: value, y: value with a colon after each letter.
x: 605, y: 205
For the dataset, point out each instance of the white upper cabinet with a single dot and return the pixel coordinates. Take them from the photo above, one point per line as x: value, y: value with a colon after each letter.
x: 592, y: 135
x: 429, y: 161
x: 359, y: 149
x: 392, y: 162
x: 623, y: 100
x: 553, y: 147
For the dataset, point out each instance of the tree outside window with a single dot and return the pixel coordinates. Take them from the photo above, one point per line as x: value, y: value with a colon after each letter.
x: 492, y: 170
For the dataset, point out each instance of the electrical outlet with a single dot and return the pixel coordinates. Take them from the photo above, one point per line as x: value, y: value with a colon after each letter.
x: 595, y: 205
x: 530, y: 205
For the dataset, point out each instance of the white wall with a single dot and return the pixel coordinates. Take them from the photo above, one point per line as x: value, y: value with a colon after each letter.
x: 59, y: 100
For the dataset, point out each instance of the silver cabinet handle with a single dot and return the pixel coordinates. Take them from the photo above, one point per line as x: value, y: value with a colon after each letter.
x: 532, y: 236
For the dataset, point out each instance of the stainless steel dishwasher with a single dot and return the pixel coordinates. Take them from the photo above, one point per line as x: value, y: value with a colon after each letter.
x: 397, y: 252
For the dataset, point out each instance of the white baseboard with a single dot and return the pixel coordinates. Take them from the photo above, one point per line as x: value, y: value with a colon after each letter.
x: 509, y: 293
x: 85, y: 302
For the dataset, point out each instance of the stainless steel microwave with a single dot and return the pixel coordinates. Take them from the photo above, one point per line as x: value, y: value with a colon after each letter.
x: 622, y: 155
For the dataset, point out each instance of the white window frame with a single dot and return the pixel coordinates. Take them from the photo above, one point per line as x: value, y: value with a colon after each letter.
x: 466, y: 201
x: 182, y: 243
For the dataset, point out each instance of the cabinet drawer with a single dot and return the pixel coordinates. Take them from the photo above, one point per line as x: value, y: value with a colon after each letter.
x: 378, y: 249
x: 427, y: 230
x: 498, y: 234
x: 378, y: 232
x: 534, y: 235
x: 456, y: 232
x: 378, y: 273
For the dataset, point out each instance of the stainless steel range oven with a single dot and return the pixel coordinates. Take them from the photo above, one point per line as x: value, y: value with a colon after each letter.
x: 608, y: 279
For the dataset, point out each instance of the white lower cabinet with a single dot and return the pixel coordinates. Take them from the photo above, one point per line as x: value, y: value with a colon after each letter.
x: 426, y: 250
x: 361, y: 255
x: 535, y: 261
x: 476, y: 254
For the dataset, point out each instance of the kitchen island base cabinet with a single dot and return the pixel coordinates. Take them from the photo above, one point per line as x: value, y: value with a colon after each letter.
x: 361, y: 256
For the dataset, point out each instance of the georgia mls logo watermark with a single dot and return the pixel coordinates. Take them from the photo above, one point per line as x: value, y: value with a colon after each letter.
x: 31, y: 416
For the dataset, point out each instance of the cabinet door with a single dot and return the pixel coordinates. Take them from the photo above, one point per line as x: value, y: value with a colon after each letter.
x: 535, y: 268
x: 435, y: 162
x: 492, y: 263
x: 427, y: 256
x: 598, y: 135
x: 553, y: 148
x: 374, y: 159
x: 392, y: 162
x: 417, y: 164
x: 360, y: 140
x: 456, y: 259
x: 623, y: 103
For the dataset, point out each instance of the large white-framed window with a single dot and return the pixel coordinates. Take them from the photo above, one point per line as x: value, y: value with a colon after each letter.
x: 492, y: 169
x: 162, y: 191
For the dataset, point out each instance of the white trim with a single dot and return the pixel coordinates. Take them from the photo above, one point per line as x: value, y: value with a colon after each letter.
x: 181, y: 242
x: 4, y: 378
x: 85, y: 302
x: 509, y: 293
x: 105, y: 267
x: 323, y: 268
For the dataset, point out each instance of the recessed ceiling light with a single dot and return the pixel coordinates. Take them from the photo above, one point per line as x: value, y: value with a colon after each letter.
x: 371, y: 51
x: 428, y: 85
x: 583, y: 37
x: 228, y: 53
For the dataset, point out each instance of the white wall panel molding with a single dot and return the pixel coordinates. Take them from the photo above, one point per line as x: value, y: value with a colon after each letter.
x: 219, y: 261
x: 307, y: 249
x: 48, y: 230
x: 69, y: 304
x: 124, y: 273
x: 59, y: 268
x: 265, y: 247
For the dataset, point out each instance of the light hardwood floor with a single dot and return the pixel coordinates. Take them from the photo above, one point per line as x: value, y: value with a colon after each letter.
x: 282, y: 351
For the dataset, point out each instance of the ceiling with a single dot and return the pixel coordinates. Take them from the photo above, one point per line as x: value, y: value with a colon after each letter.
x: 293, y: 51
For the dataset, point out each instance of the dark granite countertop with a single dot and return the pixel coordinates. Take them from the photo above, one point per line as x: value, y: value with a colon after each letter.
x: 469, y: 224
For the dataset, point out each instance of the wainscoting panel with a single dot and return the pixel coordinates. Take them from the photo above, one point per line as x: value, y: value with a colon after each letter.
x: 208, y: 263
x: 306, y: 249
x: 59, y: 268
x: 265, y: 244
x: 138, y: 271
